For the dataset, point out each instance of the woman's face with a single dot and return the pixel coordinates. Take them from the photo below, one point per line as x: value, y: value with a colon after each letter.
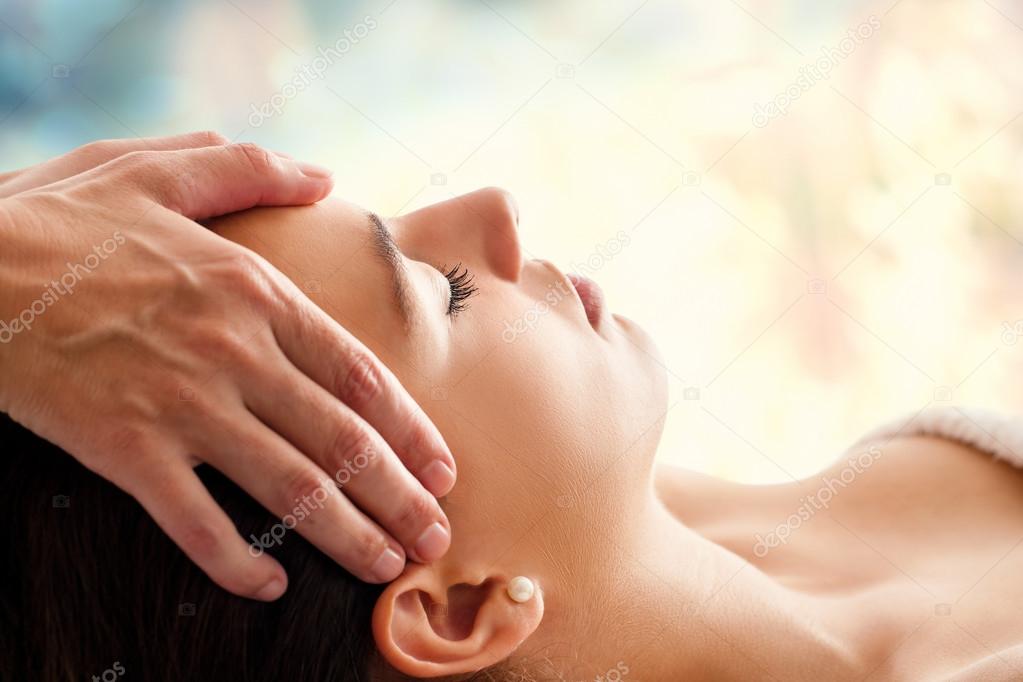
x: 552, y: 414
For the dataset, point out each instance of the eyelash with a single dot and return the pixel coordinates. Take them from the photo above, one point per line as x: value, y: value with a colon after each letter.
x: 460, y: 280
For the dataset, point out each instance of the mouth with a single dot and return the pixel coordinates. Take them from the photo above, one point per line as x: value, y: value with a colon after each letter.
x: 591, y: 296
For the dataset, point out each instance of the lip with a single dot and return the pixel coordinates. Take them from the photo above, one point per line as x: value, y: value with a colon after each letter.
x: 591, y: 295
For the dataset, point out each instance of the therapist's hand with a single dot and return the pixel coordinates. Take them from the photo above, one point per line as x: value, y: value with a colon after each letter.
x: 144, y: 344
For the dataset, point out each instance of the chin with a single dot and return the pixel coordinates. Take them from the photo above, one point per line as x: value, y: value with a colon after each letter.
x: 643, y: 375
x: 638, y: 338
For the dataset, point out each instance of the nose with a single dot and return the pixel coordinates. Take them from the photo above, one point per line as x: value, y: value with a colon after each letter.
x: 497, y: 220
x: 479, y: 229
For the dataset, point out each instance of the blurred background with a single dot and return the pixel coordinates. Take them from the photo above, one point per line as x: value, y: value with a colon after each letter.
x: 814, y: 208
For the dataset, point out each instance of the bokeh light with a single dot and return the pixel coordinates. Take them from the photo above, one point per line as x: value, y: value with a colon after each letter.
x: 806, y: 273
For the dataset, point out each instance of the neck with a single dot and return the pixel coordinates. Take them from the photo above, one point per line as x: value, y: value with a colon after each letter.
x: 684, y: 607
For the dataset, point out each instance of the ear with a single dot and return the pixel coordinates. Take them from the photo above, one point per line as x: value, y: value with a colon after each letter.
x: 425, y: 626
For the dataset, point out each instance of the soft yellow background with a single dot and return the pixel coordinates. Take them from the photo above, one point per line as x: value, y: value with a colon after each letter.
x: 858, y: 258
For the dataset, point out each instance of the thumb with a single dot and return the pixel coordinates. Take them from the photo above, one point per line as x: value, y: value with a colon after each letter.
x: 211, y: 181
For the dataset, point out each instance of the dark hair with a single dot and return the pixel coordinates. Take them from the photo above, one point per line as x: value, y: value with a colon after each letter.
x: 95, y: 588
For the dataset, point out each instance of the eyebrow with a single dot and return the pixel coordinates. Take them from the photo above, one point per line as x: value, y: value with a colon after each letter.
x: 389, y: 254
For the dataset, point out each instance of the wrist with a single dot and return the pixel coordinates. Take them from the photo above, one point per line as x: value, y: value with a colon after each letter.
x: 8, y: 252
x: 6, y: 223
x: 7, y: 240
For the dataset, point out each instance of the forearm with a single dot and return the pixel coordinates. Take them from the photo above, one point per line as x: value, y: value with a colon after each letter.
x: 8, y: 249
x: 8, y: 252
x: 26, y: 249
x: 29, y: 253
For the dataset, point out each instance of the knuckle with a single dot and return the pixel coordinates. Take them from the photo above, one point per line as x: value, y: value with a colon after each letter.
x: 211, y: 138
x: 302, y: 484
x: 246, y: 274
x: 173, y: 388
x: 135, y: 159
x: 260, y: 160
x: 144, y: 167
x: 345, y: 448
x: 126, y: 439
x: 368, y: 545
x: 98, y: 150
x: 124, y: 449
x: 222, y: 343
x: 199, y: 539
x: 245, y: 267
x: 418, y: 438
x: 361, y: 383
x: 243, y: 264
x: 414, y: 511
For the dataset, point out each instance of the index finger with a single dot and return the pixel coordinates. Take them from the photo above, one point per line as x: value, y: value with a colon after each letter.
x: 172, y: 493
x: 328, y: 354
x: 97, y: 153
x: 211, y: 181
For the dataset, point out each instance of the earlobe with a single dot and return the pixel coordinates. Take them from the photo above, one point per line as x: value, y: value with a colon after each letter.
x: 426, y: 625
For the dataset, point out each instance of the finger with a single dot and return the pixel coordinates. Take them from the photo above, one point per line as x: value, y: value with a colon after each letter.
x: 199, y: 183
x: 180, y: 504
x: 354, y: 456
x: 111, y: 149
x: 306, y: 500
x: 97, y: 153
x: 325, y: 352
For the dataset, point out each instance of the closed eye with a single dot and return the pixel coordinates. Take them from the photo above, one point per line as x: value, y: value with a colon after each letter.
x: 460, y: 281
x: 459, y: 278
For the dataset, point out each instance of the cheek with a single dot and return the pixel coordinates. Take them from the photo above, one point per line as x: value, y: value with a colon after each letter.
x: 542, y: 437
x: 546, y: 396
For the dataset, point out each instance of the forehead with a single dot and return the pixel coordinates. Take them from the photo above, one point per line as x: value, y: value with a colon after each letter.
x: 303, y: 242
x: 328, y: 251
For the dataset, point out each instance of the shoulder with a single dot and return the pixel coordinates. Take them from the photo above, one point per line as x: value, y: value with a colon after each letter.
x: 932, y: 466
x: 1002, y: 665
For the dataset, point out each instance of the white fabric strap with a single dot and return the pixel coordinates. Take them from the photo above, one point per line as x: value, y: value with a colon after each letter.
x: 997, y: 434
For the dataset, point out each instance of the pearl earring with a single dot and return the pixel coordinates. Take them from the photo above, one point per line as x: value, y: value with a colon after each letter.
x: 521, y: 589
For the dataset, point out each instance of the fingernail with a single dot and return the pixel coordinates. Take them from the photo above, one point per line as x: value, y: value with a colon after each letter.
x: 312, y: 170
x: 388, y: 565
x: 438, y: 478
x: 432, y: 543
x: 272, y: 590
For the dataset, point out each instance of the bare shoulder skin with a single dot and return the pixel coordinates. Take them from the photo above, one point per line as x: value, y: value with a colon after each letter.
x: 919, y: 541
